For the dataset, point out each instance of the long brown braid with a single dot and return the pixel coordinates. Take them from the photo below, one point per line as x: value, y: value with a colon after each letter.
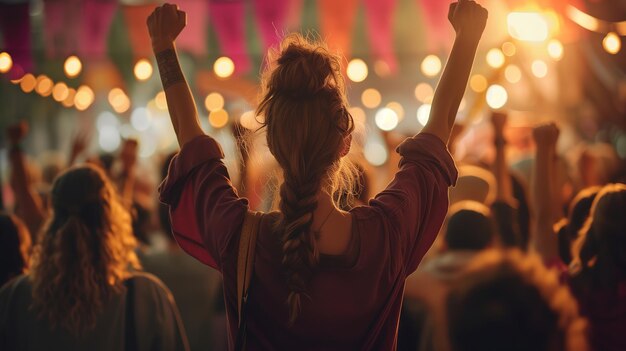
x: 304, y: 108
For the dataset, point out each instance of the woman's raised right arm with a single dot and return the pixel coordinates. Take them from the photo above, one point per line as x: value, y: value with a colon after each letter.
x: 469, y: 20
x: 164, y: 25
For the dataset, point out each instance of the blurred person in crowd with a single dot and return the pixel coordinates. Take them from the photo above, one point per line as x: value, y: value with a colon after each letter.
x: 15, y: 245
x: 29, y: 205
x: 469, y: 229
x: 323, y: 278
x: 599, y: 268
x: 597, y: 273
x: 191, y: 282
x: 509, y: 208
x: 508, y: 301
x: 569, y: 228
x: 83, y: 290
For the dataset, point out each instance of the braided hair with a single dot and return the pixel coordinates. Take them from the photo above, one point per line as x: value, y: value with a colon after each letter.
x: 308, y: 131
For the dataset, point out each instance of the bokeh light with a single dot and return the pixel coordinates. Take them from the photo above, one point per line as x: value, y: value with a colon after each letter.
x: 224, y: 67
x: 423, y: 114
x: 119, y: 100
x: 527, y: 26
x: 84, y: 98
x: 371, y: 98
x: 141, y: 119
x: 375, y: 153
x: 60, y: 92
x: 431, y: 66
x: 160, y: 100
x: 496, y: 96
x: 382, y: 68
x: 612, y: 43
x: 478, y: 83
x: 44, y: 85
x: 143, y: 70
x: 28, y: 82
x: 214, y: 102
x: 508, y: 48
x: 218, y: 119
x: 248, y: 120
x: 495, y: 58
x: 397, y: 108
x: 109, y: 138
x: 424, y: 92
x: 357, y: 70
x: 105, y: 119
x: 69, y: 100
x: 539, y: 68
x: 513, y: 74
x: 6, y: 62
x: 72, y: 66
x: 555, y: 49
x: 386, y: 119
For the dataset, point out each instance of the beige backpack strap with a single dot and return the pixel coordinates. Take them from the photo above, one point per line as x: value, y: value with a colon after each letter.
x: 245, y: 257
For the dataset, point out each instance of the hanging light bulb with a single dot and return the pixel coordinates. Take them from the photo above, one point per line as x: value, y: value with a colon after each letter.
x: 612, y: 43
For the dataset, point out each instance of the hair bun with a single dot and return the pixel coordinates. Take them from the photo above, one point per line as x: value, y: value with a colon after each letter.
x: 304, y: 69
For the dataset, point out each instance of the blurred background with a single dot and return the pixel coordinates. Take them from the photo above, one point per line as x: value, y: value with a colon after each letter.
x: 85, y: 66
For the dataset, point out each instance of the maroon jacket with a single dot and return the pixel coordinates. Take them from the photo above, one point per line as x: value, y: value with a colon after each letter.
x: 355, y: 299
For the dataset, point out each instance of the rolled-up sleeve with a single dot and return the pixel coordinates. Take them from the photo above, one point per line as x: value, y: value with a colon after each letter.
x: 205, y: 210
x: 415, y: 203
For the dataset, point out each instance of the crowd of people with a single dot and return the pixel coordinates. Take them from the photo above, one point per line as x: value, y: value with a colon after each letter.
x: 90, y: 260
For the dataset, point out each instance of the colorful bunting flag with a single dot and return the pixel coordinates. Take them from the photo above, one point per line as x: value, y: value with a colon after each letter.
x: 61, y: 27
x: 379, y: 14
x: 271, y: 18
x: 15, y: 27
x: 228, y: 19
x: 96, y: 18
x: 336, y: 24
x: 135, y: 17
x: 193, y: 37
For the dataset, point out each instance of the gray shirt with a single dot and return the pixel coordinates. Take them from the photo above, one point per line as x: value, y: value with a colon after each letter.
x: 157, y: 323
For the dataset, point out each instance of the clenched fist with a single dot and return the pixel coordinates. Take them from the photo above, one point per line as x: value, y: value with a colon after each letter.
x: 164, y: 25
x: 468, y: 19
x: 546, y: 134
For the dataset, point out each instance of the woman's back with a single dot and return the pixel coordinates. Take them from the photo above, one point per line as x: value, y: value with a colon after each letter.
x: 156, y: 322
x: 354, y: 299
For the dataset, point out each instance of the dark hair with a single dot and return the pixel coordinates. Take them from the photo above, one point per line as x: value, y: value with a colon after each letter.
x: 496, y: 310
x: 601, y: 250
x: 509, y: 301
x: 577, y: 216
x: 308, y: 126
x: 14, y: 247
x: 469, y: 226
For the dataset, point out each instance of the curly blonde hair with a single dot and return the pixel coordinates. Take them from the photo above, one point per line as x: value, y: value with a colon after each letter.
x: 85, y: 252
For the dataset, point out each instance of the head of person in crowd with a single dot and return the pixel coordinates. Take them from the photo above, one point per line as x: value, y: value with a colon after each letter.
x: 578, y: 212
x: 475, y: 183
x: 509, y: 301
x: 85, y: 252
x: 309, y: 131
x: 469, y: 227
x: 600, y: 253
x: 15, y: 245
